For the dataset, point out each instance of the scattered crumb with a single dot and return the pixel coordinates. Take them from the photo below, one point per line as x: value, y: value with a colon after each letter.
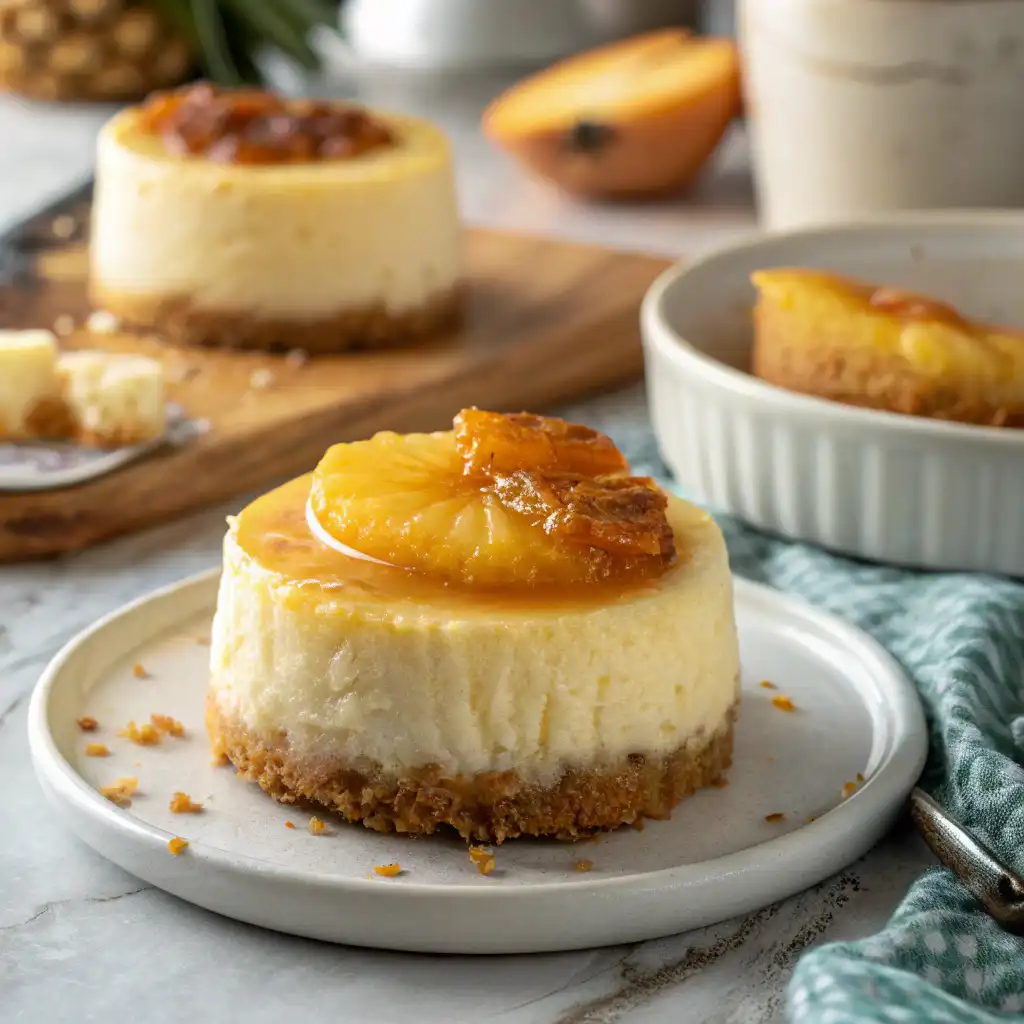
x: 849, y: 788
x: 720, y: 782
x: 387, y: 870
x: 63, y: 226
x: 120, y: 792
x: 102, y: 322
x: 860, y: 778
x: 63, y: 324
x: 182, y: 803
x: 140, y: 672
x: 145, y: 735
x: 261, y: 378
x: 810, y: 818
x: 296, y: 357
x: 167, y: 724
x: 289, y: 824
x: 483, y: 859
x: 777, y: 816
x: 783, y: 703
x: 316, y: 827
x: 767, y: 685
x: 203, y: 641
x: 97, y: 750
x: 769, y: 758
x: 176, y: 845
x: 88, y: 724
x: 583, y: 865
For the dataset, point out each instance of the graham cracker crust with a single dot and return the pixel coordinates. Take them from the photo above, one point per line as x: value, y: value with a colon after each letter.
x: 488, y: 807
x: 831, y: 369
x: 367, y: 327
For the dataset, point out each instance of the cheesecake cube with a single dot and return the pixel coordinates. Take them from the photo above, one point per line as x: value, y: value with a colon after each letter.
x: 113, y: 399
x: 29, y: 396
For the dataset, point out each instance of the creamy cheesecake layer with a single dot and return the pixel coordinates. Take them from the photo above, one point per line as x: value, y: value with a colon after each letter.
x: 302, y: 242
x: 386, y: 676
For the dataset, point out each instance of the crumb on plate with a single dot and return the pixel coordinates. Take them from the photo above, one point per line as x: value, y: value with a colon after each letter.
x: 182, y: 803
x: 583, y: 865
x: 289, y: 824
x: 165, y: 723
x: 387, y: 870
x: 849, y: 788
x: 176, y: 845
x: 121, y: 792
x: 145, y: 735
x: 783, y: 703
x: 97, y: 750
x: 88, y: 724
x: 768, y: 685
x: 139, y: 671
x: 316, y: 827
x: 483, y: 859
x: 860, y: 777
x: 776, y: 816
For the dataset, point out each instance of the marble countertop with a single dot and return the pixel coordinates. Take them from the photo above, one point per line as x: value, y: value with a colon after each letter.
x: 82, y: 941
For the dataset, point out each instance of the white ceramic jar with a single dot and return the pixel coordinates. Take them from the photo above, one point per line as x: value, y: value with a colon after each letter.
x: 861, y: 106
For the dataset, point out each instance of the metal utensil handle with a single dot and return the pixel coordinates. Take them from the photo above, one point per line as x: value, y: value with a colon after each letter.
x: 998, y: 888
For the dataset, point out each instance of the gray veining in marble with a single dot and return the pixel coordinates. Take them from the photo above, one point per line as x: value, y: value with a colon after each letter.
x: 82, y: 941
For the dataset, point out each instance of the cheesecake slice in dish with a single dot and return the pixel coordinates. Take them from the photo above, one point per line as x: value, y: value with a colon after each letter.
x: 494, y: 628
x: 885, y: 348
x: 244, y: 220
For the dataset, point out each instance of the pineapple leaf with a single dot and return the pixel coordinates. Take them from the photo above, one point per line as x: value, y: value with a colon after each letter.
x: 213, y: 40
x: 268, y: 19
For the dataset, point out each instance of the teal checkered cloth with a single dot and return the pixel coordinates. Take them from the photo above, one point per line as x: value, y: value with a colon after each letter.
x: 961, y: 639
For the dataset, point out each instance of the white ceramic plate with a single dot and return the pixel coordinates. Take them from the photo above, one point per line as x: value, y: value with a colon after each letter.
x: 717, y: 857
x: 900, y: 489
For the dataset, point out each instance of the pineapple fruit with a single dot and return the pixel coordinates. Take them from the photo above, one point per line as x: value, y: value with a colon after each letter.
x: 501, y: 501
x: 100, y: 50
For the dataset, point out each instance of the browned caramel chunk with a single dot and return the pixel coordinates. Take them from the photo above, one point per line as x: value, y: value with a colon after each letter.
x: 623, y: 515
x: 249, y: 126
x: 176, y: 845
x: 88, y: 724
x: 97, y: 750
x: 492, y: 443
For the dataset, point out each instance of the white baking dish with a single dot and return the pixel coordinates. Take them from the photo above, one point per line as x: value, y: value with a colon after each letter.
x: 890, y: 488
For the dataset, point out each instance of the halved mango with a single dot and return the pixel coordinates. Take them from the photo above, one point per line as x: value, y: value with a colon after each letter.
x: 635, y: 118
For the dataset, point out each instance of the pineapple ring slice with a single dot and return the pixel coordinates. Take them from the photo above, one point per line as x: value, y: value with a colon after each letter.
x: 404, y: 499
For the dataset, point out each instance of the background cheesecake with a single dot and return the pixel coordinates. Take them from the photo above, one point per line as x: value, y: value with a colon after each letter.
x: 526, y: 671
x: 243, y: 220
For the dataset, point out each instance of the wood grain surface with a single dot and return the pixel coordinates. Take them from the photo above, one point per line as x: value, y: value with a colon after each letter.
x: 548, y: 321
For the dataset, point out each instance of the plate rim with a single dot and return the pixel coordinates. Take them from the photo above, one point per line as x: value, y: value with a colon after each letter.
x: 899, y: 768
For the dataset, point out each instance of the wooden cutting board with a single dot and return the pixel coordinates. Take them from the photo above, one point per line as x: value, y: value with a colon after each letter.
x: 548, y: 321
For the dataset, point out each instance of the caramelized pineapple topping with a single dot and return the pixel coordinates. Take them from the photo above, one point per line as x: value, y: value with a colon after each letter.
x: 500, y: 501
x: 490, y: 442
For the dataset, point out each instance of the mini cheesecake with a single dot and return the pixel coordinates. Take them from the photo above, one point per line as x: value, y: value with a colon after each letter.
x: 242, y: 220
x: 494, y: 629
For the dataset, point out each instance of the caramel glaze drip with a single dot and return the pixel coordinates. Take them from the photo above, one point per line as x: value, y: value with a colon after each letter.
x: 248, y: 126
